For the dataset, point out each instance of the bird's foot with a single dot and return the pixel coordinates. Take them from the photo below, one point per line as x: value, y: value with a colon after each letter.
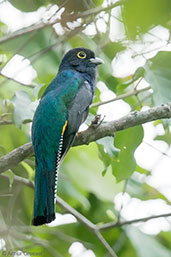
x: 97, y: 121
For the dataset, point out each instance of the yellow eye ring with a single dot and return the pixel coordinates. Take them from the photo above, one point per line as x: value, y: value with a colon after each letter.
x: 81, y: 55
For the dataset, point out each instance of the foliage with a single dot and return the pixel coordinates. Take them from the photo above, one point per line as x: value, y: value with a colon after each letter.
x: 91, y: 176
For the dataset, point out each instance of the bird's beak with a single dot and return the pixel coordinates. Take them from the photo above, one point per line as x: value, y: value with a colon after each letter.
x: 96, y: 60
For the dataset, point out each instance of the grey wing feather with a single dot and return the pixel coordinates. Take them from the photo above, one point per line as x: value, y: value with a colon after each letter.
x: 77, y: 113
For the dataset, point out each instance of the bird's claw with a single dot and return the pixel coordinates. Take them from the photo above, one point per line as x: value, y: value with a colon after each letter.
x: 96, y: 122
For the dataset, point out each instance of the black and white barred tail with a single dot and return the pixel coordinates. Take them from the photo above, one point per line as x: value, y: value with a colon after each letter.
x: 58, y: 158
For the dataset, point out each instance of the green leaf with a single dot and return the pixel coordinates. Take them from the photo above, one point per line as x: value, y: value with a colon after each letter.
x: 123, y: 88
x: 23, y: 107
x: 158, y: 75
x: 29, y: 170
x: 105, y: 70
x: 166, y: 137
x: 161, y: 60
x: 3, y: 28
x: 33, y: 5
x: 83, y: 168
x: 11, y: 137
x: 38, y: 91
x: 166, y: 237
x: 73, y: 194
x: 127, y: 141
x: 81, y: 40
x: 142, y: 170
x: 112, y: 48
x: 160, y: 81
x: 98, y: 2
x: 138, y: 73
x: 108, y: 146
x: 112, y: 83
x: 100, y: 211
x: 152, y: 193
x: 104, y: 157
x: 29, y: 5
x: 140, y: 16
x: 145, y: 245
x: 106, y: 151
x: 111, y: 215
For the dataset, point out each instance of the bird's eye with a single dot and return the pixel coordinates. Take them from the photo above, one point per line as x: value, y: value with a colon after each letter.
x: 81, y: 55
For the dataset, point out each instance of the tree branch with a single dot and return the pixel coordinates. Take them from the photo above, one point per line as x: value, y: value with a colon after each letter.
x: 24, y: 31
x: 37, y: 27
x: 127, y: 121
x: 16, y: 156
x: 92, y: 134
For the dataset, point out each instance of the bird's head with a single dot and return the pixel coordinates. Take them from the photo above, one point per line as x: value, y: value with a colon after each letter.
x: 82, y: 60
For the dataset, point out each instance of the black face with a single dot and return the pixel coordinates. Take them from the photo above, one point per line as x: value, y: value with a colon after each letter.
x: 82, y: 60
x: 77, y: 57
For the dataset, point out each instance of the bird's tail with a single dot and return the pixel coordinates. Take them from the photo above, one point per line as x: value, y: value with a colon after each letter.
x: 47, y: 169
x: 44, y: 197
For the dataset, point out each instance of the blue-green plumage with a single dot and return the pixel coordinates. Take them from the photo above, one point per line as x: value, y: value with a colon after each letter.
x: 62, y: 109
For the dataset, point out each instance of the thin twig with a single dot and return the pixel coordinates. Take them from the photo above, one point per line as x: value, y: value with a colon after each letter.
x: 141, y: 101
x: 123, y: 96
x: 111, y: 225
x: 16, y: 81
x: 26, y: 30
x: 5, y: 122
x: 61, y: 40
x: 104, y: 242
x: 19, y: 49
x: 78, y: 215
x: 97, y: 10
x: 157, y: 149
x: 149, y: 51
x: 57, y: 11
x: 20, y: 180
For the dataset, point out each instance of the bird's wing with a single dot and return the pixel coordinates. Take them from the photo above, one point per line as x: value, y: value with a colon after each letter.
x: 77, y: 113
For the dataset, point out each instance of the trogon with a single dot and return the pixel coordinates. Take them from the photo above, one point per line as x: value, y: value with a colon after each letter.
x: 62, y: 109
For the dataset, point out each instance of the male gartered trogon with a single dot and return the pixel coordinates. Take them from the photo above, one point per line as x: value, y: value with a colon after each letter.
x: 61, y: 110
